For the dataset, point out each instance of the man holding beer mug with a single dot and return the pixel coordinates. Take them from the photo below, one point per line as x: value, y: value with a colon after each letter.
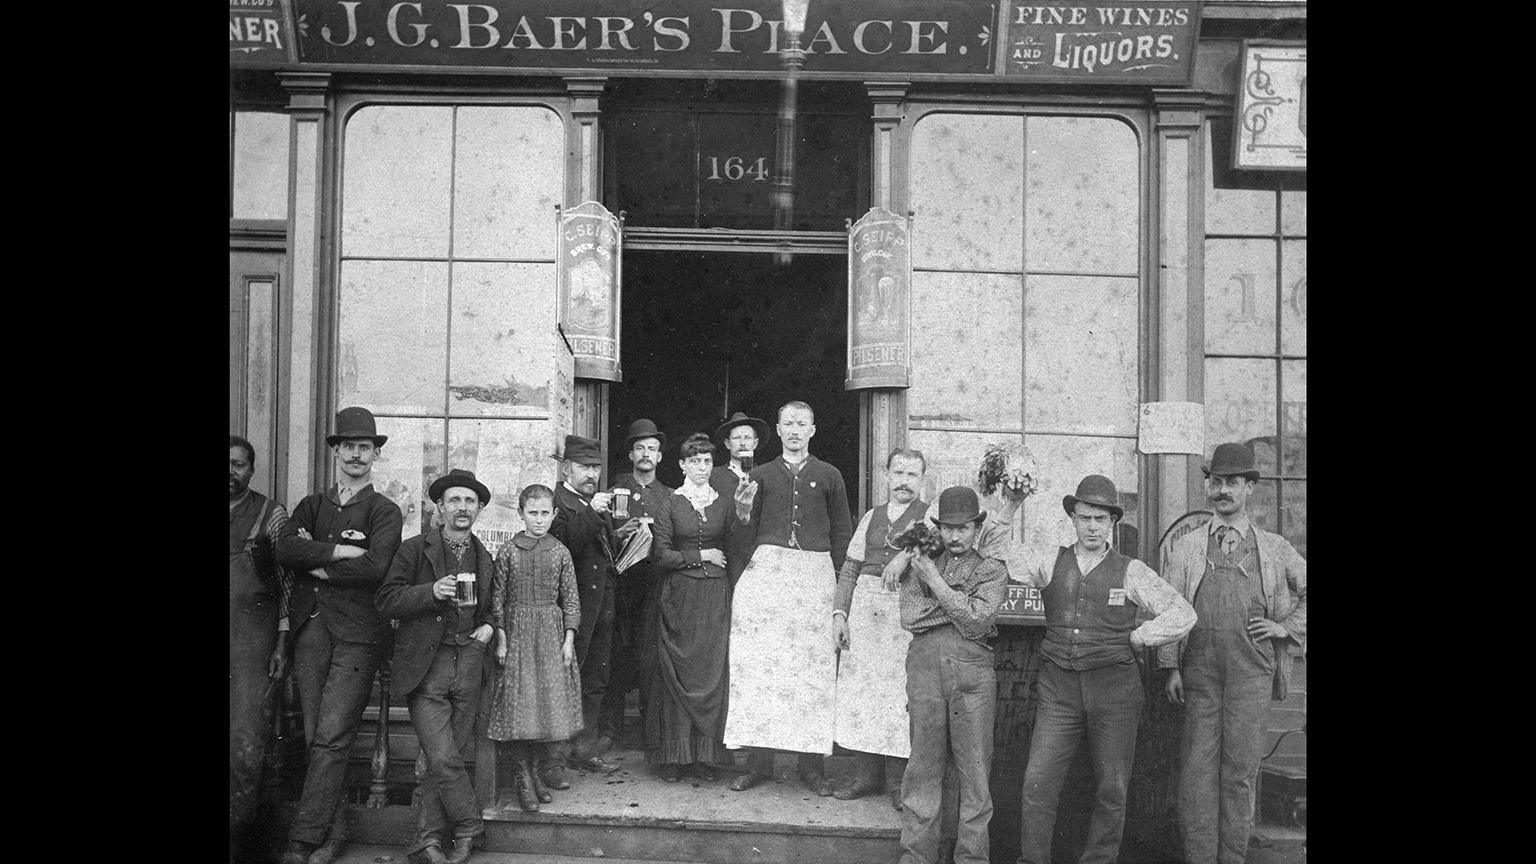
x: 439, y: 587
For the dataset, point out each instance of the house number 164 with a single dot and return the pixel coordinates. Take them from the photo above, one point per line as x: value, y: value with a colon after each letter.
x: 733, y: 169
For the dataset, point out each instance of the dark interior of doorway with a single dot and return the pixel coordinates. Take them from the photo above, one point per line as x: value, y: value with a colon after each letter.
x: 706, y: 334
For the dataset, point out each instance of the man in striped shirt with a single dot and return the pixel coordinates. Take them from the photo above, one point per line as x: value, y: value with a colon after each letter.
x: 950, y: 606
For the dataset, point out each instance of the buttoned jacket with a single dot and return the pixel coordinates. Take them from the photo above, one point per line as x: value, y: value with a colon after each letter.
x: 407, y: 595
x: 344, y: 601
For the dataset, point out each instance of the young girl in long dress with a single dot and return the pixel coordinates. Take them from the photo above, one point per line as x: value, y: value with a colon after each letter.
x: 536, y: 612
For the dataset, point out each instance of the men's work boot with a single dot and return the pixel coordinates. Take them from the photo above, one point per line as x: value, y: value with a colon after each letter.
x: 462, y: 848
x: 867, y: 778
x: 810, y: 768
x: 552, y: 775
x: 895, y: 769
x: 297, y: 852
x: 428, y: 855
x: 596, y: 764
x: 329, y: 851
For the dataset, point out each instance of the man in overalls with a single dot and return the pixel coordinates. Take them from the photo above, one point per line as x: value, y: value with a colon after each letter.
x: 1249, y: 589
x: 260, y: 536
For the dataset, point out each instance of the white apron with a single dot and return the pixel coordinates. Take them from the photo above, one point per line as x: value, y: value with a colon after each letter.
x: 871, y: 713
x: 783, y: 668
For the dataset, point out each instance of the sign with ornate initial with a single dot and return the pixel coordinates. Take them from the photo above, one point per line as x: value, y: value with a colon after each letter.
x: 879, y: 301
x: 1272, y: 107
x: 590, y: 267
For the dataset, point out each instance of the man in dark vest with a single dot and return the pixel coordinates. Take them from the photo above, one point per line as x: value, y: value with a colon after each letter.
x: 871, y: 702
x: 260, y: 539
x: 440, y: 657
x: 950, y: 606
x: 339, y: 638
x: 1090, y: 684
x: 584, y: 523
x: 1249, y: 588
x: 739, y: 438
x: 634, y: 642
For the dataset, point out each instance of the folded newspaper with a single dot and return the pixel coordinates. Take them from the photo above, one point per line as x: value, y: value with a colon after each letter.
x: 635, y: 548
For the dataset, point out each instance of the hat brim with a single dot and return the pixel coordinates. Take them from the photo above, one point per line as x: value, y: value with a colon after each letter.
x: 579, y: 460
x: 443, y: 484
x: 1249, y: 475
x: 333, y: 440
x: 978, y: 519
x: 758, y: 426
x: 1070, y: 501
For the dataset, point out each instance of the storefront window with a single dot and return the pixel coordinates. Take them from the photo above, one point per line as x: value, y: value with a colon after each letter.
x: 446, y: 315
x: 1256, y: 329
x: 258, y: 165
x: 1026, y: 278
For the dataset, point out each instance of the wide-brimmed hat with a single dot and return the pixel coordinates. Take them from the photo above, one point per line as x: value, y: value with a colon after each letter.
x: 959, y: 505
x: 1098, y: 490
x: 355, y: 422
x: 458, y: 477
x: 644, y: 428
x: 740, y: 419
x: 1232, y: 460
x: 582, y: 451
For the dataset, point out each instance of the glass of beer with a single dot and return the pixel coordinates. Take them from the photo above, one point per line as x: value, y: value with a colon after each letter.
x: 621, y: 503
x: 464, y: 593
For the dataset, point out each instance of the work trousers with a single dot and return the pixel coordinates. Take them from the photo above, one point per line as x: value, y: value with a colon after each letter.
x: 252, y: 636
x: 335, y: 678
x: 1104, y: 706
x: 443, y: 709
x: 594, y: 650
x: 632, y: 649
x: 951, y: 703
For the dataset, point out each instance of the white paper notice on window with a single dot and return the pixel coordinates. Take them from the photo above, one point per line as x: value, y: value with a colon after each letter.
x: 1171, y: 427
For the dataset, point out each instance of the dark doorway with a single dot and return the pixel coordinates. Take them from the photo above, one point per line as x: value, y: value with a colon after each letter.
x: 706, y: 334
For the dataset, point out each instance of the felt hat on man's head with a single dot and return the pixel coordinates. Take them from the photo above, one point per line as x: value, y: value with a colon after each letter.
x: 644, y: 428
x: 582, y: 451
x: 1232, y: 460
x: 959, y: 505
x: 459, y: 477
x: 1098, y: 490
x: 355, y: 422
x: 740, y: 419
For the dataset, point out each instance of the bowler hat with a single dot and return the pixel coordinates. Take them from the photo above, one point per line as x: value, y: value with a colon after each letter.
x: 355, y: 422
x: 644, y: 428
x: 740, y: 419
x: 959, y: 505
x: 582, y: 451
x: 1098, y: 490
x: 1232, y: 460
x: 458, y: 477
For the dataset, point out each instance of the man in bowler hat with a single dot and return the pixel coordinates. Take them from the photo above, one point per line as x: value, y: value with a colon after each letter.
x: 633, y: 640
x: 440, y: 656
x: 1249, y: 588
x: 351, y: 533
x: 1090, y: 682
x: 950, y: 606
x: 584, y: 523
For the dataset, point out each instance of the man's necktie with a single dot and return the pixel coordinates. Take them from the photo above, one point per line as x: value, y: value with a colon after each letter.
x: 1226, y: 538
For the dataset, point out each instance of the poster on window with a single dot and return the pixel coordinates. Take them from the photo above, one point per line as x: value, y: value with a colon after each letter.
x: 590, y: 269
x: 879, y: 301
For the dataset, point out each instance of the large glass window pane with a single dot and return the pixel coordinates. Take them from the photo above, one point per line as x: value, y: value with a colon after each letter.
x: 508, y: 163
x: 969, y: 372
x: 408, y: 463
x: 506, y: 455
x: 1084, y: 178
x: 396, y: 181
x: 501, y: 339
x: 1293, y: 298
x: 261, y: 165
x: 1293, y: 417
x: 968, y: 192
x: 1233, y: 211
x: 1240, y: 296
x: 392, y: 342
x: 1240, y: 406
x: 1293, y: 522
x: 1080, y: 354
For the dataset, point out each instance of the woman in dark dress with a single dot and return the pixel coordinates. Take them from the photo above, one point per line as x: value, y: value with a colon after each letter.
x: 685, y: 724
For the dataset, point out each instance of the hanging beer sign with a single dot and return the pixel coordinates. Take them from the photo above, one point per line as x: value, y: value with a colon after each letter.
x: 879, y: 301
x: 590, y: 268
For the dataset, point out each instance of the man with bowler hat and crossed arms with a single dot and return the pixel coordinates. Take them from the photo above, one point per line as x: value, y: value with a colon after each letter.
x: 1249, y: 588
x: 440, y: 656
x: 352, y: 533
x: 633, y: 639
x: 584, y: 523
x: 950, y: 606
x: 1090, y: 683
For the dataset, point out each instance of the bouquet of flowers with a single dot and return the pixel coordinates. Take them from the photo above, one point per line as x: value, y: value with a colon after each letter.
x: 1010, y: 466
x: 920, y: 538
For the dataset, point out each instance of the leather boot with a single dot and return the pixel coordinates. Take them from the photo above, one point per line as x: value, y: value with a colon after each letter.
x: 329, y: 851
x: 539, y: 790
x: 867, y: 778
x: 522, y: 786
x: 463, y: 847
x: 895, y: 769
x: 812, y: 773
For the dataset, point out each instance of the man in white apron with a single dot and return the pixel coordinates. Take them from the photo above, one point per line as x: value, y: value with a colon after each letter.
x: 783, y: 671
x: 871, y: 704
